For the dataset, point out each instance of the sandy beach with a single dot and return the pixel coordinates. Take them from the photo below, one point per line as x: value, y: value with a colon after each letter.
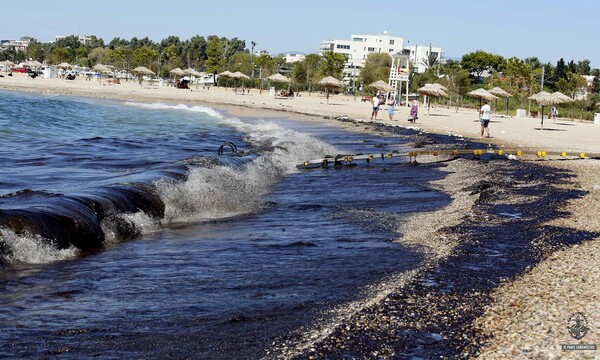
x: 527, y: 316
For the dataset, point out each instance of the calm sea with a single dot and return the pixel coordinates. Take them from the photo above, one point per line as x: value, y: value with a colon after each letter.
x: 123, y: 232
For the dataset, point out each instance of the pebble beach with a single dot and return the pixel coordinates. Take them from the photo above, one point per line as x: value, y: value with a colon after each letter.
x: 523, y: 310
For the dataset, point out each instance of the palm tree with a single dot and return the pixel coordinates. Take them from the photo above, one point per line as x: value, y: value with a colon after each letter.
x: 431, y: 60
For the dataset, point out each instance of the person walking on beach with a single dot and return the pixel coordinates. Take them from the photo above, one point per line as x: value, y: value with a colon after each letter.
x: 414, y: 112
x: 484, y: 118
x: 375, y: 102
x: 391, y: 112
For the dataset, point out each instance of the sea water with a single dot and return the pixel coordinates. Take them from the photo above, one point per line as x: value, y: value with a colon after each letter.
x: 124, y: 232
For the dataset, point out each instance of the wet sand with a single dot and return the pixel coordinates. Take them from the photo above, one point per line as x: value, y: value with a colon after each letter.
x: 521, y: 314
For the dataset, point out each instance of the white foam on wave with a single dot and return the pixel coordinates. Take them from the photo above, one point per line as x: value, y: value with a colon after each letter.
x: 139, y: 222
x: 223, y: 191
x: 162, y: 106
x: 32, y: 249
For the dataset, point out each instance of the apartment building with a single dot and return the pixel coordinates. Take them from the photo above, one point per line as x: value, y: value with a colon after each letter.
x: 16, y: 45
x: 359, y: 47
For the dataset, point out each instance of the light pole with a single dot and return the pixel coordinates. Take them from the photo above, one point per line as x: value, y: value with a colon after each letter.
x: 354, y: 81
x: 253, y: 43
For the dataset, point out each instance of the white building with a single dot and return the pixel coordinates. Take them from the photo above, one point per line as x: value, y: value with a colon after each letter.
x: 419, y: 55
x: 16, y: 45
x: 358, y: 48
x: 290, y: 58
x: 84, y: 39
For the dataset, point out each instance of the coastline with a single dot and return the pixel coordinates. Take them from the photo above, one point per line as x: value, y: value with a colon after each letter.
x: 499, y: 326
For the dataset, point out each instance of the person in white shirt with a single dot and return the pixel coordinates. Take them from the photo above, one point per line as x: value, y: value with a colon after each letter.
x: 375, y: 103
x: 484, y: 118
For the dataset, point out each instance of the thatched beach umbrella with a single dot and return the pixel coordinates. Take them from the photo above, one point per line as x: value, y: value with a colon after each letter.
x: 544, y: 99
x: 226, y: 74
x: 102, y: 69
x: 192, y: 72
x: 7, y: 64
x: 33, y: 64
x: 498, y: 91
x: 382, y: 86
x: 64, y: 65
x: 279, y: 78
x: 562, y: 97
x: 177, y: 72
x: 142, y: 70
x: 239, y: 75
x: 329, y: 83
x: 482, y: 94
x: 432, y: 90
x: 439, y: 86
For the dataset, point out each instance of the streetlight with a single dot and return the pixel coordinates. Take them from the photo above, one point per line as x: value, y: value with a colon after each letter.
x: 253, y: 43
x: 354, y: 81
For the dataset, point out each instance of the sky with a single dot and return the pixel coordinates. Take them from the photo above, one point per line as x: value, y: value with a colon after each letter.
x: 547, y: 29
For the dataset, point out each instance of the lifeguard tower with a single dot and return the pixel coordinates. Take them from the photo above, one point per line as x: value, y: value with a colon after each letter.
x: 399, y: 73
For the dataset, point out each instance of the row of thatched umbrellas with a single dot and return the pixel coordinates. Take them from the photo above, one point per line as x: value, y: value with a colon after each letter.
x: 543, y: 98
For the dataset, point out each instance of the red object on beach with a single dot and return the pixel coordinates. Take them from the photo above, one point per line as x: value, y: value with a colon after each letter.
x: 19, y: 70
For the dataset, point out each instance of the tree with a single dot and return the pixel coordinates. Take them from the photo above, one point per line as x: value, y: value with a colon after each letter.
x: 377, y: 67
x: 431, y: 60
x: 194, y: 52
x: 479, y: 61
x: 94, y: 42
x: 241, y: 62
x: 97, y: 56
x: 533, y: 62
x: 456, y: 81
x: 312, y: 63
x: 215, y: 61
x: 571, y: 86
x: 81, y: 54
x: 518, y: 78
x: 59, y: 55
x: 115, y: 56
x: 266, y: 64
x: 35, y: 50
x: 595, y: 88
x: 583, y: 67
x: 332, y: 64
x: 560, y: 72
x: 144, y: 56
x: 233, y: 46
x: 68, y: 42
x: 118, y: 42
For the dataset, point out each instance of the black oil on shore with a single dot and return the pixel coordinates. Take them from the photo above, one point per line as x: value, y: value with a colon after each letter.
x: 502, y: 237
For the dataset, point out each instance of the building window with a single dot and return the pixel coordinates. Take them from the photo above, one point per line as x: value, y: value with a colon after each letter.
x: 391, y: 50
x: 357, y: 39
x: 371, y: 49
x: 391, y: 42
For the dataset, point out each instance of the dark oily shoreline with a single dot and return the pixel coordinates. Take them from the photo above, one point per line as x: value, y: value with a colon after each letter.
x: 495, y: 229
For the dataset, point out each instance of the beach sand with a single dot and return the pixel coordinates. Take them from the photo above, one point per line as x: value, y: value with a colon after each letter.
x: 526, y: 317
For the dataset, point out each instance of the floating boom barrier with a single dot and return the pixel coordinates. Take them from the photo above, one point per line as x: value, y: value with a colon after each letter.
x: 345, y: 160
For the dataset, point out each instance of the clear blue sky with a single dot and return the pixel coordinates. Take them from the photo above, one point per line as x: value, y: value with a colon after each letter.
x: 548, y: 29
